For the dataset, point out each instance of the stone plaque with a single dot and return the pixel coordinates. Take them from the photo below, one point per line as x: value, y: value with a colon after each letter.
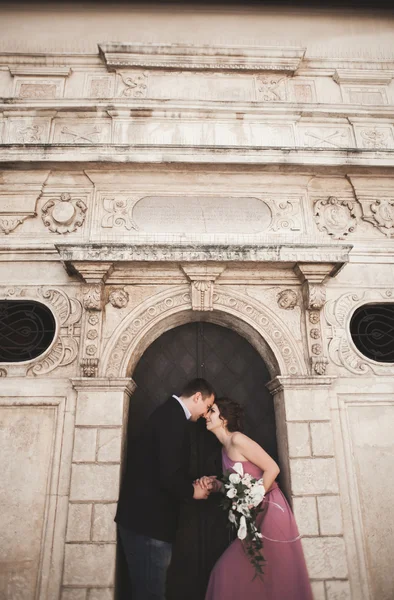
x: 26, y: 438
x: 201, y: 214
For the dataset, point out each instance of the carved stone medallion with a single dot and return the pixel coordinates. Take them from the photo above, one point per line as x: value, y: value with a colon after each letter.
x: 64, y: 214
x: 336, y: 217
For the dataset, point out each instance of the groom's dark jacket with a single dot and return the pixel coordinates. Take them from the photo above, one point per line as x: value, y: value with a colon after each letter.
x: 156, y: 480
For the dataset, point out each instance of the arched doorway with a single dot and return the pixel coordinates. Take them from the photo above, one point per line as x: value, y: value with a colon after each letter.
x: 236, y: 369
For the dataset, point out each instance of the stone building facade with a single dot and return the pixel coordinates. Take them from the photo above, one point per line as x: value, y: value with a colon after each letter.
x: 145, y: 185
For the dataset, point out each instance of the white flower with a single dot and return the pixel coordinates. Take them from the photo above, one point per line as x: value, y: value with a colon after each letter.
x: 244, y: 510
x: 257, y: 494
x: 238, y: 468
x: 242, y: 529
x: 231, y: 517
x: 235, y: 478
x: 231, y: 493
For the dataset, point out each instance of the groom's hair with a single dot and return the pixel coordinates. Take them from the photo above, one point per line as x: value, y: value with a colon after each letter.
x: 197, y: 385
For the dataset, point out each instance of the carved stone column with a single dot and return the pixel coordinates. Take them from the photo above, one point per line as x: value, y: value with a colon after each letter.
x: 202, y: 278
x: 95, y: 275
x: 312, y: 276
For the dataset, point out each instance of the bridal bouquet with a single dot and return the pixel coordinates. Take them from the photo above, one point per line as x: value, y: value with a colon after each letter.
x: 243, y: 497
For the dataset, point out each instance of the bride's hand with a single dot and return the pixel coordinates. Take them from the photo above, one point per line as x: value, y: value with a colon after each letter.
x: 207, y: 482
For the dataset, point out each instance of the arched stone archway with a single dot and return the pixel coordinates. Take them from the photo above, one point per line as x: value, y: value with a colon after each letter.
x: 256, y: 322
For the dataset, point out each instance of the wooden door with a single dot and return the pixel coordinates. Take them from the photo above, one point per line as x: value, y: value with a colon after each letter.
x: 235, y: 369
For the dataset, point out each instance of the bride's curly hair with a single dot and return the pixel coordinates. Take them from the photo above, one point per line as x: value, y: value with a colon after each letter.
x: 232, y: 412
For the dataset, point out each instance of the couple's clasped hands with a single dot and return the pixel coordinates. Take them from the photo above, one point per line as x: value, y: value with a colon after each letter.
x: 204, y: 486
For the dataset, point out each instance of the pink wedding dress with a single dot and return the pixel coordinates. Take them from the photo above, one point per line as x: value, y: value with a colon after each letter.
x: 285, y: 574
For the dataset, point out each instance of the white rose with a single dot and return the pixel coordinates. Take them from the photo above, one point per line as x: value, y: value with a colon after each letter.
x: 238, y: 468
x: 257, y: 494
x: 231, y: 517
x: 231, y: 493
x: 242, y: 531
x: 235, y: 478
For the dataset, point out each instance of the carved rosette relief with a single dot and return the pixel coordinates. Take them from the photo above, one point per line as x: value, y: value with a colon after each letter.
x: 93, y: 304
x: 67, y: 312
x: 341, y: 348
x: 64, y: 214
x: 126, y: 338
x: 381, y: 214
x: 118, y: 298
x: 287, y: 299
x: 136, y: 84
x: 271, y: 88
x: 337, y: 217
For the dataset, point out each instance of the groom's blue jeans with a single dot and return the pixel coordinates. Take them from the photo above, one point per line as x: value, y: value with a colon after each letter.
x: 147, y: 560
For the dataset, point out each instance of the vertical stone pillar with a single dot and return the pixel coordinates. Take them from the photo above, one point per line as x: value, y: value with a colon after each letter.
x: 306, y: 449
x: 100, y: 421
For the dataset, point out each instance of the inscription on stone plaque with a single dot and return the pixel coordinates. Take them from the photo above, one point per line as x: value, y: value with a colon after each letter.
x: 201, y: 214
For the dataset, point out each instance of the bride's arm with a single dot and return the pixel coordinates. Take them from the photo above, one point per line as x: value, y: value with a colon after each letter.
x: 255, y: 454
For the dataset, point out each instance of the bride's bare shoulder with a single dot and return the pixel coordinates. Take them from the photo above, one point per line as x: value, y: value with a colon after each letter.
x: 239, y: 438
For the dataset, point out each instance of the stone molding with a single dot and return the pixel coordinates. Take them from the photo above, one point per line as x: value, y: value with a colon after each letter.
x: 99, y: 384
x: 341, y: 348
x: 195, y: 58
x: 67, y: 312
x: 202, y: 278
x: 75, y: 255
x: 39, y: 70
x: 148, y: 315
x: 363, y: 76
x: 284, y: 382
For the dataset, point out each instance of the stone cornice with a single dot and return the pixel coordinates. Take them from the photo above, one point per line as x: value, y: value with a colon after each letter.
x: 81, y: 257
x: 40, y: 70
x: 141, y: 153
x: 201, y: 58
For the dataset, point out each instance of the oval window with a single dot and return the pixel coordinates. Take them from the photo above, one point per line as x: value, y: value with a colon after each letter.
x: 27, y: 329
x: 372, y: 331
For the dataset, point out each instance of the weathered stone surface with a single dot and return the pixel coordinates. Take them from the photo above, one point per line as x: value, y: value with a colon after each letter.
x: 313, y: 476
x: 84, y: 444
x: 89, y: 564
x: 109, y: 445
x: 304, y: 405
x: 299, y: 442
x: 79, y: 522
x: 305, y: 512
x: 74, y: 594
x: 318, y: 590
x: 330, y: 515
x: 94, y: 482
x: 95, y: 408
x: 101, y: 594
x: 322, y: 439
x: 338, y: 590
x: 104, y: 528
x: 325, y: 557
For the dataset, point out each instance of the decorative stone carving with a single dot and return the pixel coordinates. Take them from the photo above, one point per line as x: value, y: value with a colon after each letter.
x: 89, y: 367
x: 87, y: 136
x: 314, y: 317
x: 9, y: 223
x: 119, y: 298
x: 287, y: 299
x: 119, y: 213
x: 374, y: 137
x: 271, y: 88
x: 202, y: 278
x: 341, y: 348
x: 315, y: 296
x: 64, y: 349
x: 92, y: 299
x: 136, y: 84
x: 316, y: 348
x: 32, y: 134
x: 315, y: 333
x: 124, y: 340
x: 64, y: 215
x: 286, y: 214
x: 381, y: 214
x: 3, y: 372
x: 92, y: 334
x: 319, y: 365
x: 91, y: 349
x: 337, y: 217
x: 318, y: 138
x: 37, y: 91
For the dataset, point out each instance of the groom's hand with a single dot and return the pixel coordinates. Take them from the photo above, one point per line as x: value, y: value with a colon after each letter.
x: 200, y: 493
x: 207, y: 482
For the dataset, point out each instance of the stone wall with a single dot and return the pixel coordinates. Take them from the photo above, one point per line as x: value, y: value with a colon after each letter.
x: 146, y: 185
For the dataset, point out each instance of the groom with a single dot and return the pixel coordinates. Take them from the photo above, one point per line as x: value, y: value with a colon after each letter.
x: 155, y: 484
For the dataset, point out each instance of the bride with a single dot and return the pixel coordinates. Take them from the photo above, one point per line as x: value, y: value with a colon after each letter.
x: 233, y: 577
